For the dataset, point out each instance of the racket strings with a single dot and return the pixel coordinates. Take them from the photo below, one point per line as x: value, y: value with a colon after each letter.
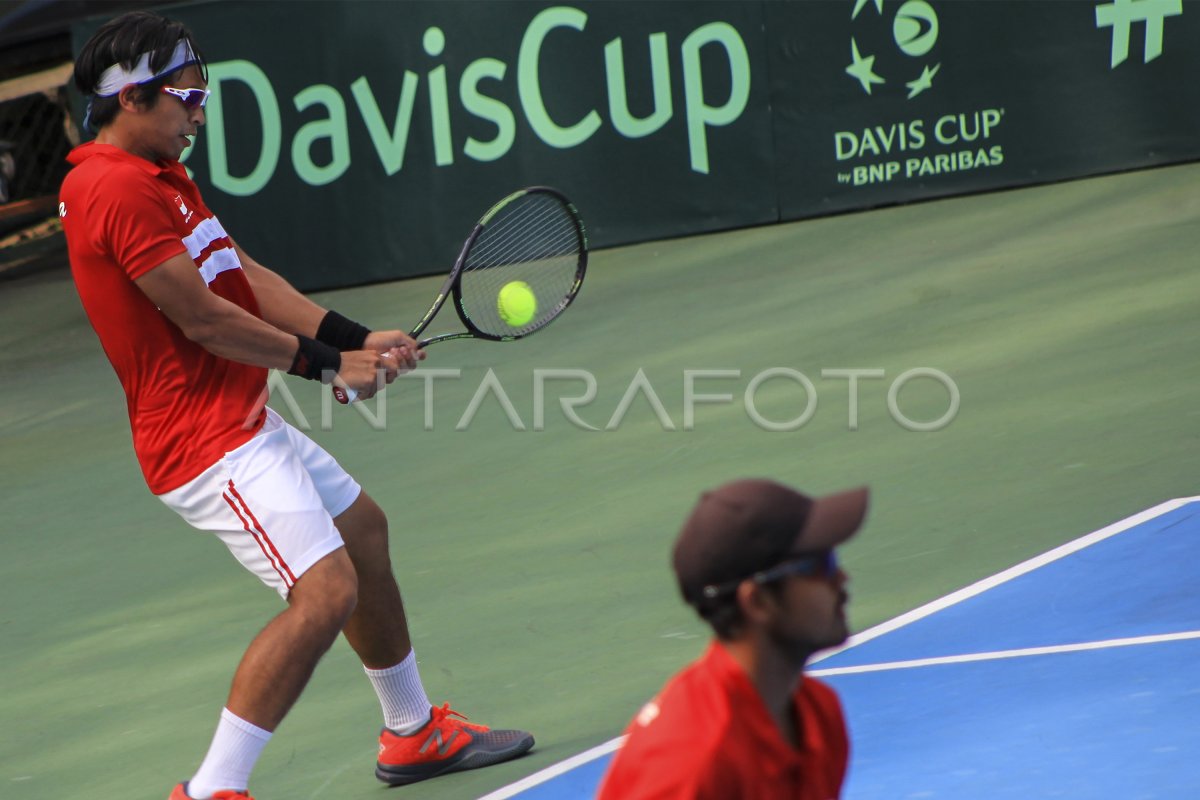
x: 535, y: 240
x: 516, y: 239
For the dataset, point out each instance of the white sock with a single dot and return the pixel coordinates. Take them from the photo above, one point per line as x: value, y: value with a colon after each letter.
x: 235, y: 747
x: 405, y: 705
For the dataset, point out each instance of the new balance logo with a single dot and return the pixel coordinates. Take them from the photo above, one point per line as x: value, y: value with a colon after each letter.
x: 442, y: 746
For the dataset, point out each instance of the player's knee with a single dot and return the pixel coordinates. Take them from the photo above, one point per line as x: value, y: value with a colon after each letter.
x: 376, y: 520
x: 342, y: 600
x: 328, y: 593
x: 376, y: 530
x: 366, y: 537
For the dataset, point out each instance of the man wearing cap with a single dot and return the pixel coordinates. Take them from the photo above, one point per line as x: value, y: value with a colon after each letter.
x: 756, y: 560
x: 191, y: 323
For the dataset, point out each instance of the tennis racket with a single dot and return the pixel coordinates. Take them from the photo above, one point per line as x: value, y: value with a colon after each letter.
x: 533, y: 237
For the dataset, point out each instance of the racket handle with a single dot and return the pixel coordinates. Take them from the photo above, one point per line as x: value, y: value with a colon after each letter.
x: 346, y: 395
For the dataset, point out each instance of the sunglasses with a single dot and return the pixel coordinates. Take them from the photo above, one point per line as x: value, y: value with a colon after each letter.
x: 191, y: 98
x: 824, y: 565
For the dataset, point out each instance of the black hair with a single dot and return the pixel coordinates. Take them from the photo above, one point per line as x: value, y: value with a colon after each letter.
x: 724, y: 614
x: 122, y: 41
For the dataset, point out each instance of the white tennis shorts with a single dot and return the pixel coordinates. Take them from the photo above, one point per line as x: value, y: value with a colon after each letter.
x: 272, y: 502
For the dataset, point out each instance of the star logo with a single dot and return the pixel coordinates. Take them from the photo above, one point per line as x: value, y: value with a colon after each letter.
x: 922, y: 83
x: 914, y: 32
x: 858, y: 6
x: 862, y: 69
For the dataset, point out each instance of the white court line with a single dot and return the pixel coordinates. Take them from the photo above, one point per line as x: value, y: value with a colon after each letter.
x: 999, y: 654
x: 555, y: 770
x: 1007, y: 575
x: 921, y: 612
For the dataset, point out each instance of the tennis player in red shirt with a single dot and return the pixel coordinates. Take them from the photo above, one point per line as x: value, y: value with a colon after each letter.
x: 756, y: 561
x: 191, y: 324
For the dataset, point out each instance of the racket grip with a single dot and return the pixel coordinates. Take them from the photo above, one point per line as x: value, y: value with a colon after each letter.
x: 346, y: 395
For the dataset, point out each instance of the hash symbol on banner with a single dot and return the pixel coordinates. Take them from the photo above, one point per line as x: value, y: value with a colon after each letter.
x: 1120, y: 15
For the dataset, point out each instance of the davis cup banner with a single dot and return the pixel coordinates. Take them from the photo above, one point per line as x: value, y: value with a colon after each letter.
x: 351, y: 142
x: 362, y: 140
x: 879, y: 101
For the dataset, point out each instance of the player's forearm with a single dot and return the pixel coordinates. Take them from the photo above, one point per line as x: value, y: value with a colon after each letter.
x: 239, y: 336
x: 282, y: 304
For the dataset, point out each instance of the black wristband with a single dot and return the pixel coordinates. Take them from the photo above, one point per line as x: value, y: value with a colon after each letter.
x: 344, y: 334
x: 314, y: 359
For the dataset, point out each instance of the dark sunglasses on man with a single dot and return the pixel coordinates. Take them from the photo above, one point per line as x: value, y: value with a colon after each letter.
x: 819, y: 564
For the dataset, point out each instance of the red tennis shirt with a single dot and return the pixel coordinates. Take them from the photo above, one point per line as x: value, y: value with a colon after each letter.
x: 709, y: 736
x: 123, y: 216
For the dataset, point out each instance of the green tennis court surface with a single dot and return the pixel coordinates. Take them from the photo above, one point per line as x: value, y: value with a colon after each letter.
x: 534, y: 562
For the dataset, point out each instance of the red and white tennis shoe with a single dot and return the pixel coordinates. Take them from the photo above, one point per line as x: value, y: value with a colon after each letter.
x: 447, y: 743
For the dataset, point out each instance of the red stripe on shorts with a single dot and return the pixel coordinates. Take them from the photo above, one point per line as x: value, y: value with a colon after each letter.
x: 260, y: 536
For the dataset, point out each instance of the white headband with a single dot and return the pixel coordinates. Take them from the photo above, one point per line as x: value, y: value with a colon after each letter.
x: 116, y: 77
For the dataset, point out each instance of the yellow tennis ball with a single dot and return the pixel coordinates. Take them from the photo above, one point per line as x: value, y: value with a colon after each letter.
x: 516, y: 303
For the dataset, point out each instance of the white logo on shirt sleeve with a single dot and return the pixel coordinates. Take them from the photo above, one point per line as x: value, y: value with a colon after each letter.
x: 183, y: 209
x: 648, y: 714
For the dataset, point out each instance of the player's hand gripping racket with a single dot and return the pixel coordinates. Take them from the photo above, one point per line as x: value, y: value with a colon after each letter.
x: 518, y: 271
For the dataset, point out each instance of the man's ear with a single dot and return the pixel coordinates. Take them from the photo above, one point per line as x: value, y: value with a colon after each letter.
x: 756, y: 604
x: 128, y: 98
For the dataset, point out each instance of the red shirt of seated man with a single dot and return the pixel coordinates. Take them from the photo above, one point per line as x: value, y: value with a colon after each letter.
x: 755, y: 559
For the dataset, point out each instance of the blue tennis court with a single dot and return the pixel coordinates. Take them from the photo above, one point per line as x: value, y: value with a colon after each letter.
x: 1069, y: 675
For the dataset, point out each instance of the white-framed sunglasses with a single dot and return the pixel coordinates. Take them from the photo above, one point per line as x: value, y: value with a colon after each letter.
x: 191, y: 98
